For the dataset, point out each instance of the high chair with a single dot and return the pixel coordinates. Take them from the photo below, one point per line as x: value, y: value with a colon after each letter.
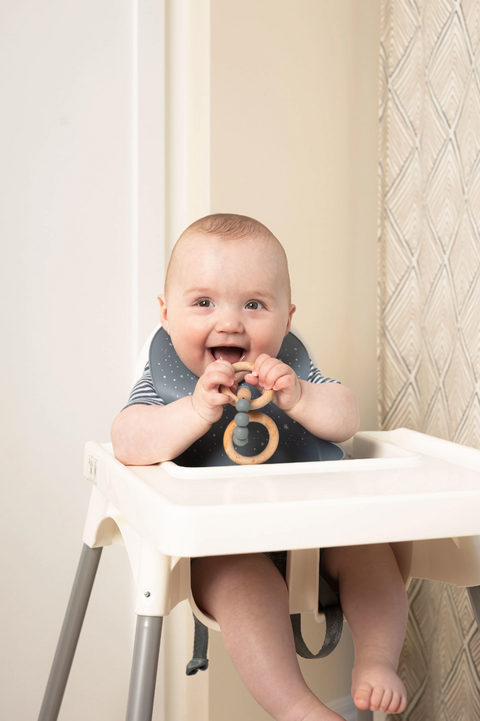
x: 420, y: 493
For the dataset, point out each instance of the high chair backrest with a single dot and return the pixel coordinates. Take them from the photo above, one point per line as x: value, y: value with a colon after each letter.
x: 143, y: 355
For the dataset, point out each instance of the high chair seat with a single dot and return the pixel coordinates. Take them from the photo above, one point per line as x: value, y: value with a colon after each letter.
x: 399, y: 486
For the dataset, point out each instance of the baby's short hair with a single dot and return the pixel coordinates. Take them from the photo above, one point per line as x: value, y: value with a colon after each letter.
x: 228, y: 226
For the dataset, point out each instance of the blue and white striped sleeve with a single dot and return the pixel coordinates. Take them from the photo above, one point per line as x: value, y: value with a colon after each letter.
x: 144, y: 391
x: 315, y: 376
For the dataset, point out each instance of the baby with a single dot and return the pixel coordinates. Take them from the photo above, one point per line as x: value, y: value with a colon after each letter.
x: 227, y: 298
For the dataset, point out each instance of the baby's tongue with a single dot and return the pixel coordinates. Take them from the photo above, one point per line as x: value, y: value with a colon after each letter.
x: 232, y: 355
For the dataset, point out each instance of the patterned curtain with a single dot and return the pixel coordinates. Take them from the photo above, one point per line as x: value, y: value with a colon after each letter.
x: 429, y: 297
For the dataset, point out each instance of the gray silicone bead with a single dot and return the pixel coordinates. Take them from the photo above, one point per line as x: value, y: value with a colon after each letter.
x: 240, y: 434
x: 240, y: 443
x: 242, y: 405
x: 242, y: 419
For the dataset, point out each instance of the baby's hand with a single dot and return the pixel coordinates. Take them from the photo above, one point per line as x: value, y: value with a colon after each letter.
x: 206, y: 399
x: 272, y: 373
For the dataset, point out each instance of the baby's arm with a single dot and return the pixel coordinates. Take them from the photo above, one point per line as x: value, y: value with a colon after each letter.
x: 328, y: 410
x: 145, y: 434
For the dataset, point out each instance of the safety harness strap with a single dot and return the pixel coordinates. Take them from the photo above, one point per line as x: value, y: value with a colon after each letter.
x: 328, y: 604
x: 199, y: 660
x: 333, y: 633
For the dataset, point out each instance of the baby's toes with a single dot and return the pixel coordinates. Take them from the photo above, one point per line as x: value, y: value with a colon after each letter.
x: 378, y: 696
x: 393, y: 702
x: 385, y: 703
x: 362, y: 696
x: 400, y: 701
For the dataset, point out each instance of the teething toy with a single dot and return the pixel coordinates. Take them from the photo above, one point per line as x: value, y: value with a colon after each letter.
x: 237, y: 431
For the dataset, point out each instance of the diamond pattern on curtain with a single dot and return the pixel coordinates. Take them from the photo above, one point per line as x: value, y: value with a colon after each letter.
x: 429, y: 296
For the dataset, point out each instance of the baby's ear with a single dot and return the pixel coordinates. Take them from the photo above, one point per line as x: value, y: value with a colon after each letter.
x: 163, y: 311
x: 292, y: 310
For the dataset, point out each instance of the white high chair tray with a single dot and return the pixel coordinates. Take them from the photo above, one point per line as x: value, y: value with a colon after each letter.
x: 393, y: 486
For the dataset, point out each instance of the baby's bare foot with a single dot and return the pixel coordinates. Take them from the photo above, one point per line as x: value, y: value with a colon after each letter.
x: 376, y: 686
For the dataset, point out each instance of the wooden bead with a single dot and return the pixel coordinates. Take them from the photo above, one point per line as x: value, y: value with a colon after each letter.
x: 244, y: 393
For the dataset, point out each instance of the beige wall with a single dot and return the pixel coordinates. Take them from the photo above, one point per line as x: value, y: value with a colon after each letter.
x: 294, y: 104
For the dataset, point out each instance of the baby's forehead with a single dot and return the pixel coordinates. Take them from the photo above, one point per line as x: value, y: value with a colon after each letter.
x: 206, y: 253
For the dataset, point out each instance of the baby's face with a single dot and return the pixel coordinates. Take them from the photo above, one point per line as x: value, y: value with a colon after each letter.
x: 226, y: 299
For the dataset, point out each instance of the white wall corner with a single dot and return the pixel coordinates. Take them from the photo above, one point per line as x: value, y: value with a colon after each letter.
x: 148, y: 163
x: 187, y: 131
x: 187, y: 197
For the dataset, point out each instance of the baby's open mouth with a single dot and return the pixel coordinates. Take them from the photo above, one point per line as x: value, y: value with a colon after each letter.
x: 232, y: 354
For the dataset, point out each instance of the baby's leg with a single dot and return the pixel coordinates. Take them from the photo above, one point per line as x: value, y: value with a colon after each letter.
x: 374, y: 601
x: 248, y: 597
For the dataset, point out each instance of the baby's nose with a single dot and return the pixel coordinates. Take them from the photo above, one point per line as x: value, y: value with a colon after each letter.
x: 229, y: 322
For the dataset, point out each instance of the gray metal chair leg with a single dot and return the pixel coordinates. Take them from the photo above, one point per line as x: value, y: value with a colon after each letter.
x: 144, y: 668
x: 72, y: 625
x: 364, y: 715
x: 474, y: 593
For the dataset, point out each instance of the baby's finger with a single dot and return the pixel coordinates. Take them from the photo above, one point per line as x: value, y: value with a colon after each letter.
x: 251, y: 379
x: 259, y: 362
x: 270, y: 371
x: 284, y: 382
x: 221, y: 362
x: 218, y: 399
x: 222, y: 366
x: 215, y: 378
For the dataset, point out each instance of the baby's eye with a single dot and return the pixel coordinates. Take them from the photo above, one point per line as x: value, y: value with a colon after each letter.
x: 254, y: 305
x: 204, y: 303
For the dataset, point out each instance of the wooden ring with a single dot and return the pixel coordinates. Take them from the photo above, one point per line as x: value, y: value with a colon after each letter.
x: 266, y: 397
x: 267, y: 452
